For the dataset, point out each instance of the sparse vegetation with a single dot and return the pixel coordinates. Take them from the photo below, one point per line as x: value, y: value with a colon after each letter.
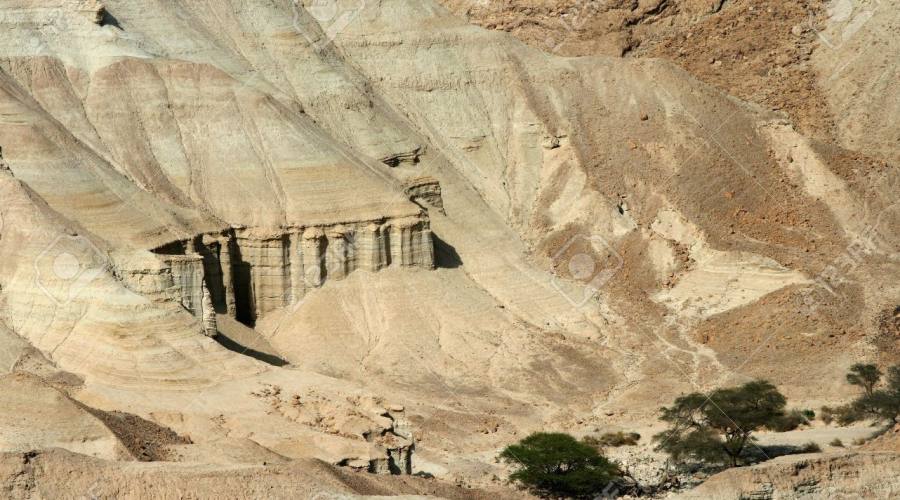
x: 558, y: 465
x: 810, y: 447
x: 826, y: 413
x: 882, y: 405
x: 865, y: 376
x: 613, y: 439
x: 715, y: 428
x: 842, y: 415
x: 837, y: 443
x: 789, y: 421
x: 849, y: 414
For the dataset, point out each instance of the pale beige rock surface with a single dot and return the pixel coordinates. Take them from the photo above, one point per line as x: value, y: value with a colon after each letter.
x: 37, y: 416
x: 424, y: 239
x: 848, y: 475
x: 56, y: 473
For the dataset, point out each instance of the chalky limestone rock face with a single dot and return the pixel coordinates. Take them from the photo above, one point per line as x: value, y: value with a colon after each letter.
x: 153, y: 155
x: 425, y: 190
x: 54, y: 422
x: 200, y: 192
x: 247, y: 273
x: 830, y: 476
x: 175, y: 165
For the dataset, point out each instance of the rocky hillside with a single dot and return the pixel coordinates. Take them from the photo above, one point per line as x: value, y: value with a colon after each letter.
x: 831, y: 477
x: 827, y: 64
x: 377, y: 235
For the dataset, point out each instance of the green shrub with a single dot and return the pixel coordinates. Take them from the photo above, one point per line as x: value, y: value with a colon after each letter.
x: 809, y: 414
x: 810, y: 447
x: 826, y: 413
x: 788, y: 421
x: 837, y: 442
x: 841, y: 415
x: 592, y: 441
x: 848, y: 414
x: 556, y: 464
x: 613, y: 439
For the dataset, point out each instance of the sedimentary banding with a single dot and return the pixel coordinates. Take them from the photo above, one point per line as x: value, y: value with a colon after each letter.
x: 248, y: 272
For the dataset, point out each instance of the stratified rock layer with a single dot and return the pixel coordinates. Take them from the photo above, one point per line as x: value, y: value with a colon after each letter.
x: 247, y: 273
x: 849, y: 475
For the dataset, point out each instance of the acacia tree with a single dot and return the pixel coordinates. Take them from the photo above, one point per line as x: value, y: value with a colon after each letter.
x: 715, y: 428
x: 879, y: 404
x: 882, y: 404
x: 556, y: 464
x: 865, y: 376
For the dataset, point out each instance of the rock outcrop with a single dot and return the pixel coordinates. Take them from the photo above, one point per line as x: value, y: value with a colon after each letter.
x: 383, y: 439
x: 35, y: 415
x: 57, y: 473
x: 426, y: 191
x: 612, y: 233
x: 249, y: 272
x: 834, y: 476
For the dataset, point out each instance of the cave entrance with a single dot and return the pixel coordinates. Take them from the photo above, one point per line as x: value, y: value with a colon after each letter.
x: 243, y: 295
x: 244, y: 308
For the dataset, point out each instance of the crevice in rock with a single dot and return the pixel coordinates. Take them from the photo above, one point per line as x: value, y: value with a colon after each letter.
x: 405, y: 158
x: 244, y: 303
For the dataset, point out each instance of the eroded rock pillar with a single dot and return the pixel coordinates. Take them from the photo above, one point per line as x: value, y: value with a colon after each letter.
x: 411, y: 243
x: 227, y: 274
x: 340, y: 257
x: 208, y: 314
x: 313, y: 249
x: 373, y: 248
x: 295, y: 250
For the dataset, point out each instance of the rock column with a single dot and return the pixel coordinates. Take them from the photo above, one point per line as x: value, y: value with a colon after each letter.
x: 313, y: 248
x: 295, y: 249
x: 208, y: 314
x: 373, y: 248
x: 227, y: 273
x: 340, y: 257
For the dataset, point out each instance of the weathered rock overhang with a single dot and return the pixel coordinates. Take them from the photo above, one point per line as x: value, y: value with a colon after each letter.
x: 248, y: 272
